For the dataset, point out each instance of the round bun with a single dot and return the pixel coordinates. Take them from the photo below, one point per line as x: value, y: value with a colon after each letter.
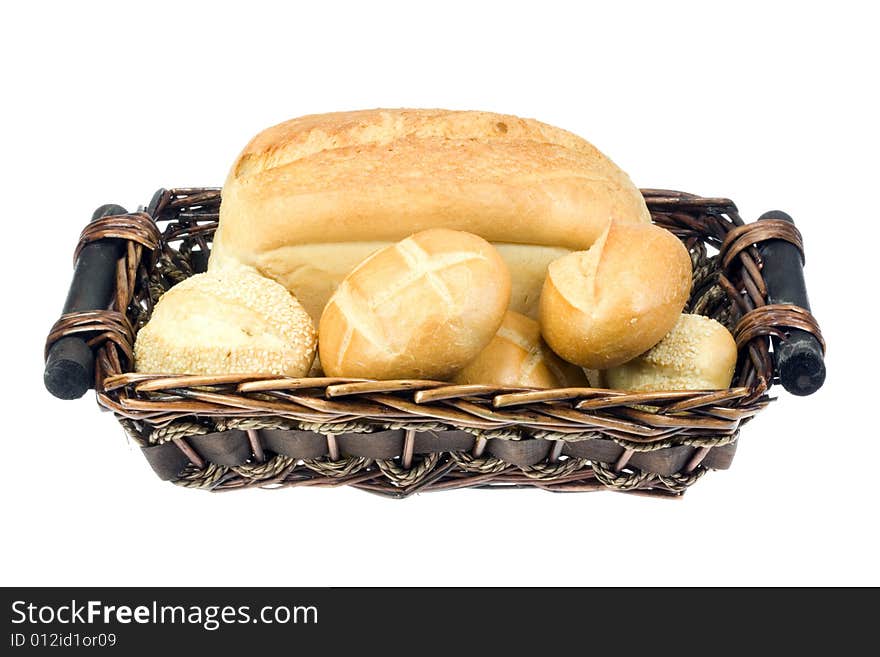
x: 604, y: 306
x: 232, y: 321
x: 421, y: 308
x: 309, y: 199
x: 517, y: 356
x: 698, y: 354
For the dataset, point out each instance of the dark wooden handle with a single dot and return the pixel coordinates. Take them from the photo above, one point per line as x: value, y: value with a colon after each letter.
x: 800, y: 362
x: 70, y: 363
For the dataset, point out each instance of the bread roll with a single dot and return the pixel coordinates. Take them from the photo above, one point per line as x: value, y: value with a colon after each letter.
x: 604, y: 306
x: 227, y: 322
x: 697, y: 354
x: 517, y: 356
x: 421, y: 308
x: 309, y: 199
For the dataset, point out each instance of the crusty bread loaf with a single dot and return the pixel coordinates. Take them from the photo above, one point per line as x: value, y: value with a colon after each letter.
x: 233, y: 321
x: 604, y: 306
x: 420, y: 308
x: 517, y: 356
x: 697, y: 354
x: 309, y: 199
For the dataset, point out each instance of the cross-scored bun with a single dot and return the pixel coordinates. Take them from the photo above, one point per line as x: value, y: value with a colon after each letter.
x: 604, y: 306
x: 517, y: 356
x: 232, y: 321
x: 420, y: 308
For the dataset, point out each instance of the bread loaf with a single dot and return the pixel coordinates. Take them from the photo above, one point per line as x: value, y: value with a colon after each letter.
x: 604, y: 306
x: 697, y: 354
x: 233, y: 321
x: 517, y: 356
x: 421, y: 308
x: 309, y: 199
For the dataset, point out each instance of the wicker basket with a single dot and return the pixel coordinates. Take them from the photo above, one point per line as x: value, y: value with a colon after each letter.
x: 400, y: 437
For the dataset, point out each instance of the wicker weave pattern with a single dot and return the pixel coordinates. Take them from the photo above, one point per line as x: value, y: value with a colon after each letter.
x: 177, y: 412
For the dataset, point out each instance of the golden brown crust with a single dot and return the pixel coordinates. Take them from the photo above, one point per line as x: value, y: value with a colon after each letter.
x: 521, y: 192
x: 517, y: 356
x: 421, y: 308
x: 602, y: 307
x: 697, y: 354
x: 307, y: 135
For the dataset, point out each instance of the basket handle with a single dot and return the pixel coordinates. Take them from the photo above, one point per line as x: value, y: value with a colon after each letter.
x: 70, y: 363
x: 800, y: 362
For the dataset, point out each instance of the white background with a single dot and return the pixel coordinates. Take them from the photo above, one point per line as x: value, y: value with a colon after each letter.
x: 774, y: 105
